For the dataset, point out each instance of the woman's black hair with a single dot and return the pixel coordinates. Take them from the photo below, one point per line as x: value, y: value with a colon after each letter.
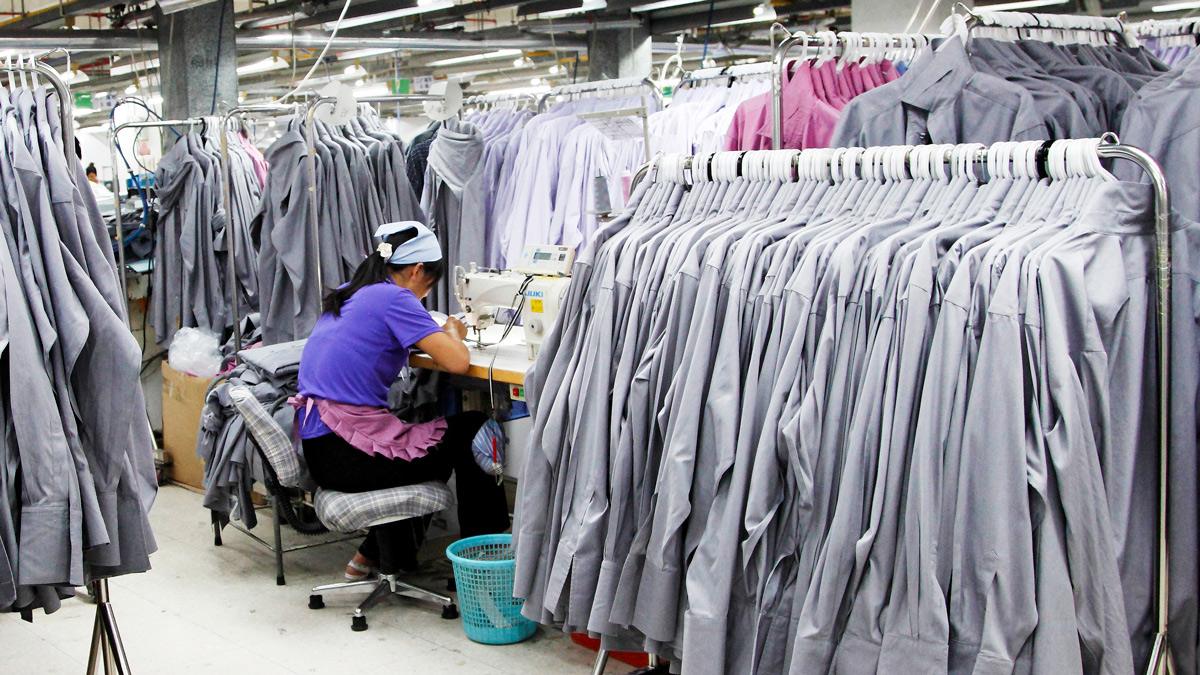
x: 91, y: 168
x: 376, y: 269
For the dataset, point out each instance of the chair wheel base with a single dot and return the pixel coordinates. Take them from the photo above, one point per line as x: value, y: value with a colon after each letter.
x: 450, y: 612
x: 358, y: 624
x: 316, y: 602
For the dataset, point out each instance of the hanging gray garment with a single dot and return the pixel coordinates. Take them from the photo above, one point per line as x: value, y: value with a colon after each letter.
x: 534, y: 512
x: 289, y: 296
x: 1115, y: 231
x: 98, y: 349
x: 455, y: 203
x: 177, y: 179
x: 10, y: 508
x: 941, y: 99
x: 245, y: 194
x: 336, y: 224
x: 60, y: 320
x: 50, y: 521
x: 94, y: 235
x: 913, y: 310
x: 210, y: 304
x: 391, y: 179
x: 551, y: 397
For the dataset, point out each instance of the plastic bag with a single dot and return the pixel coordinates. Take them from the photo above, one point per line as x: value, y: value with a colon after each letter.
x: 194, y: 351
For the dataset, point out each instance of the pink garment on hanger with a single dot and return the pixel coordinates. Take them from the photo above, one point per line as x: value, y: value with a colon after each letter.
x: 257, y: 160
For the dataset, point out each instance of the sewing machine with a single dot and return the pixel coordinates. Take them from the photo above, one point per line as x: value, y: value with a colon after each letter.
x: 491, y: 297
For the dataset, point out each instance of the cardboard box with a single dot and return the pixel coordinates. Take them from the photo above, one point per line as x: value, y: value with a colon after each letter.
x: 182, y: 402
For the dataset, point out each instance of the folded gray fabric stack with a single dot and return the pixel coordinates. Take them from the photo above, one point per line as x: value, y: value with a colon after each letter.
x: 231, y: 464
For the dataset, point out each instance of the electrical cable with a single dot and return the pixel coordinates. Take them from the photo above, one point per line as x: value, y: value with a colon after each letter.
x: 707, y: 32
x: 512, y: 321
x: 321, y: 57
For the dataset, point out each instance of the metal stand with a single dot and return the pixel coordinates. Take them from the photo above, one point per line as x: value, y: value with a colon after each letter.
x: 277, y: 548
x: 106, y: 639
x: 384, y: 586
x: 1161, y: 661
x: 602, y: 662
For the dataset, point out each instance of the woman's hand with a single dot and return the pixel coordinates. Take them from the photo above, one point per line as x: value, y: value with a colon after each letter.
x: 455, y: 328
x: 447, y: 349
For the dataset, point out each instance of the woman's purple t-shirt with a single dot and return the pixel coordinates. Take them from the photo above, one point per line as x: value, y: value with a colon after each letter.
x: 355, y: 358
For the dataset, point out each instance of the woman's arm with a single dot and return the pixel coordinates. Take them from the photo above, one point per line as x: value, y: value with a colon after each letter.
x: 447, y: 348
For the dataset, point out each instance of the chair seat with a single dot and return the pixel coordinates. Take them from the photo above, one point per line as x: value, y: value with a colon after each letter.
x: 352, y: 511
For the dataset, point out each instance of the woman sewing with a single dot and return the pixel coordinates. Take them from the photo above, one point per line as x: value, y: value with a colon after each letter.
x: 359, y: 346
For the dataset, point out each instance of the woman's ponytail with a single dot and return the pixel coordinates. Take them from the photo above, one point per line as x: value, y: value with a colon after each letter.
x: 375, y: 269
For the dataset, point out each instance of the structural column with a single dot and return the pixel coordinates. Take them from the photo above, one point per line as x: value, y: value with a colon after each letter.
x: 619, y: 53
x: 197, y: 51
x: 900, y: 16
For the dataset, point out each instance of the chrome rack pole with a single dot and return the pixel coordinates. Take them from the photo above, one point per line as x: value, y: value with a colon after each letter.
x: 227, y: 196
x: 107, y: 645
x: 150, y: 124
x: 310, y: 139
x: 1161, y: 661
x: 601, y: 662
x: 777, y: 52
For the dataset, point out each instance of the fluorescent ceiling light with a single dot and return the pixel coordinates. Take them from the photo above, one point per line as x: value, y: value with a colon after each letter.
x: 1020, y: 4
x: 474, y: 58
x: 132, y: 68
x: 587, y: 6
x: 663, y: 4
x: 264, y: 66
x: 394, y: 14
x: 364, y: 53
x: 1175, y: 7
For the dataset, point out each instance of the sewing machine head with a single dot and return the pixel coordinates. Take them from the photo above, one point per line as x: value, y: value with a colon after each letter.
x: 490, y: 297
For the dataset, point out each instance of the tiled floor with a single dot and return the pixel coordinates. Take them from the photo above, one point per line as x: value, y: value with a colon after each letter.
x: 205, y: 609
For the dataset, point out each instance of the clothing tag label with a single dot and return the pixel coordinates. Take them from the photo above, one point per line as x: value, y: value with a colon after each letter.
x: 535, y: 306
x: 516, y: 392
x: 618, y: 128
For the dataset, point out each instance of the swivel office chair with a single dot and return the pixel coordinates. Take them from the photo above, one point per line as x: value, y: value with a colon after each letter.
x: 348, y: 512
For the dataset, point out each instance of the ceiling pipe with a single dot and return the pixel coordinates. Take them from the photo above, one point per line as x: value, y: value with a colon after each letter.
x: 77, y: 40
x: 423, y: 41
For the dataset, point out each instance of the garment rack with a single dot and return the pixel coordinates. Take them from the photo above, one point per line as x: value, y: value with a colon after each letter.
x: 485, y: 101
x: 981, y: 18
x: 730, y: 73
x: 815, y: 44
x: 310, y: 138
x: 106, y: 645
x: 113, y: 148
x: 1161, y: 662
x: 599, y: 86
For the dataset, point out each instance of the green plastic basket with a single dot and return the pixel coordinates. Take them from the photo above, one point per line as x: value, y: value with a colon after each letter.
x: 483, y: 573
